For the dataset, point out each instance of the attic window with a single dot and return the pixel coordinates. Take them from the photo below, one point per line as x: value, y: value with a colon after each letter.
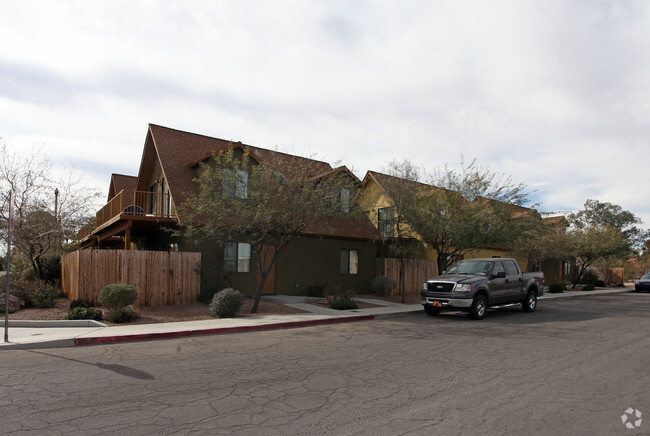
x: 341, y: 200
x: 235, y: 183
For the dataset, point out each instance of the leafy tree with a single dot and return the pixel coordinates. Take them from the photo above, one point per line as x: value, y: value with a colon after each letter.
x: 265, y: 203
x: 603, y: 232
x: 542, y: 239
x: 460, y: 210
x: 48, y: 212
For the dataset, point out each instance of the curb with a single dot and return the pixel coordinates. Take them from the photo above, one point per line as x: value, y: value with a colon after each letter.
x: 56, y: 323
x: 99, y: 340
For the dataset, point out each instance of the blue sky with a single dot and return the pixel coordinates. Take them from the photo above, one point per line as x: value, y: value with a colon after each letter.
x: 554, y: 93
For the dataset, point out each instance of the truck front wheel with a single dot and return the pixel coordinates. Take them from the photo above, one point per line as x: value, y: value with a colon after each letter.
x: 530, y: 303
x: 479, y: 307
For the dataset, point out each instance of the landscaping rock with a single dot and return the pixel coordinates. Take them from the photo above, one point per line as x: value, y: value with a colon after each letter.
x: 14, y: 302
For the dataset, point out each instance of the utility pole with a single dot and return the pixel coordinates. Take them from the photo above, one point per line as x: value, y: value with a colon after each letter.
x: 9, y: 230
x: 56, y: 204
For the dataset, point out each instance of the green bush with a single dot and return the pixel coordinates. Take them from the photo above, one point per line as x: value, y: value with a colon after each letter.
x: 589, y: 278
x: 121, y: 315
x: 343, y: 303
x: 556, y: 288
x: 117, y: 295
x: 317, y: 290
x: 45, y: 296
x: 226, y: 303
x: 588, y: 287
x: 382, y: 285
x: 600, y: 284
x: 81, y: 312
x: 80, y: 302
x: 50, y: 267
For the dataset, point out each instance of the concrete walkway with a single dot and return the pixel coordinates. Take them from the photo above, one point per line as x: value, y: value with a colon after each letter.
x: 52, y: 334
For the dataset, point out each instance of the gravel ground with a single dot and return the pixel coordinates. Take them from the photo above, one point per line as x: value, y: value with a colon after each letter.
x: 156, y: 314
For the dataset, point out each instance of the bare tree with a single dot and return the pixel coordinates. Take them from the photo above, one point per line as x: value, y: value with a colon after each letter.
x: 48, y: 212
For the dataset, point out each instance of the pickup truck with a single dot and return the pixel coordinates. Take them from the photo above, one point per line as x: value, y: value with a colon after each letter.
x: 475, y: 285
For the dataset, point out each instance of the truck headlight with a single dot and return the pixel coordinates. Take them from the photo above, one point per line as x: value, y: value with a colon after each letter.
x: 463, y: 288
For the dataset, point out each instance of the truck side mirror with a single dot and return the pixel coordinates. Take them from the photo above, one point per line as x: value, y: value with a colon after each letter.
x: 499, y: 275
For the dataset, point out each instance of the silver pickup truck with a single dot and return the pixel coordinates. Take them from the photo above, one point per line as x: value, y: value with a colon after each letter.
x: 475, y: 285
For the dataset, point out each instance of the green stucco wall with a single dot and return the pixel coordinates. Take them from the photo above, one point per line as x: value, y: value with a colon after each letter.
x: 305, y: 262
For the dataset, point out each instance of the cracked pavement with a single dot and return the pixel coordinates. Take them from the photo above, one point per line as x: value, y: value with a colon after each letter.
x: 572, y: 367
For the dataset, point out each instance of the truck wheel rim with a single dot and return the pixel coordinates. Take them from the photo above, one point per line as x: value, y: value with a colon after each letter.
x: 480, y: 308
x: 531, y: 302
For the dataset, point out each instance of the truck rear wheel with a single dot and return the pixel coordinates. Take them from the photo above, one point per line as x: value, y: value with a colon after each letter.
x: 530, y: 303
x: 479, y: 307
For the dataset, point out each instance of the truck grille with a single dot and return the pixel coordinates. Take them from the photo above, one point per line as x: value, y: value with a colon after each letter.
x: 440, y: 287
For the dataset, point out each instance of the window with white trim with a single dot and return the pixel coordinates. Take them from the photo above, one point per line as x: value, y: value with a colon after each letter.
x: 237, y: 256
x: 349, y: 261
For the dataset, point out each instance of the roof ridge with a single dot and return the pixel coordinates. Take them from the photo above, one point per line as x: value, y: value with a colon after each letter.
x: 230, y: 141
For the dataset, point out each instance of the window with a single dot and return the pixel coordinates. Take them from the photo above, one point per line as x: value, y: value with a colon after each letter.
x: 341, y: 200
x: 511, y: 268
x: 349, y: 261
x: 386, y: 222
x: 497, y: 267
x: 235, y: 183
x: 237, y: 257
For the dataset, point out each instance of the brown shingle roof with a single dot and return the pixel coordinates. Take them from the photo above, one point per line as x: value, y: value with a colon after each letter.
x: 179, y: 152
x: 120, y: 182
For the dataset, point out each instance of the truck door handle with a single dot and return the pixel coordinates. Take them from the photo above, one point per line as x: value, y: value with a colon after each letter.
x: 507, y: 281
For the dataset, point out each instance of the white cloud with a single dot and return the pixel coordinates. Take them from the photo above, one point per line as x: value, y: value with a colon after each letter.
x: 553, y: 92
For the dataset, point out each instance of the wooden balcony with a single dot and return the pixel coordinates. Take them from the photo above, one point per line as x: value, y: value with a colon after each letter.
x: 136, y: 204
x: 126, y: 211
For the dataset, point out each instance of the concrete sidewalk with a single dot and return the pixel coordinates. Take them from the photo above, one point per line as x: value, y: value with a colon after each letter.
x: 52, y: 334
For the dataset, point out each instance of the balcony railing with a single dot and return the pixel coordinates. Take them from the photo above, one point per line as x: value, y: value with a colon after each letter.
x: 86, y: 231
x: 137, y: 204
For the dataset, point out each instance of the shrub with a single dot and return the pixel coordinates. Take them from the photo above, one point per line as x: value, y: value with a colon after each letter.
x: 117, y: 295
x: 589, y: 278
x: 588, y: 287
x: 50, y: 267
x: 45, y: 296
x: 556, y: 288
x: 82, y: 312
x: 226, y: 303
x: 317, y: 290
x: 343, y: 303
x: 121, y: 315
x: 382, y: 285
x: 80, y: 302
x: 600, y: 284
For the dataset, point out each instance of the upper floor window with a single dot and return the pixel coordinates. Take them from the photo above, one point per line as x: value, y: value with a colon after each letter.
x: 235, y: 183
x: 341, y: 200
x: 386, y: 222
x: 237, y: 256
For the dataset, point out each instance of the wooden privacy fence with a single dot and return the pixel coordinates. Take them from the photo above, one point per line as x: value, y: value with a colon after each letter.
x: 161, y: 278
x: 409, y: 274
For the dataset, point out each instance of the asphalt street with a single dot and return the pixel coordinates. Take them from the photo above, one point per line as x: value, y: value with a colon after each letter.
x: 573, y: 367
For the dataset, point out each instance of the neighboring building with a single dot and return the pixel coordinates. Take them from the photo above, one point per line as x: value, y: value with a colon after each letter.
x: 380, y: 208
x: 141, y: 208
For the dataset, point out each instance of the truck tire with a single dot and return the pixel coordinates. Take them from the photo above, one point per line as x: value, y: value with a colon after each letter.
x: 431, y: 310
x: 479, y: 307
x: 530, y: 303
